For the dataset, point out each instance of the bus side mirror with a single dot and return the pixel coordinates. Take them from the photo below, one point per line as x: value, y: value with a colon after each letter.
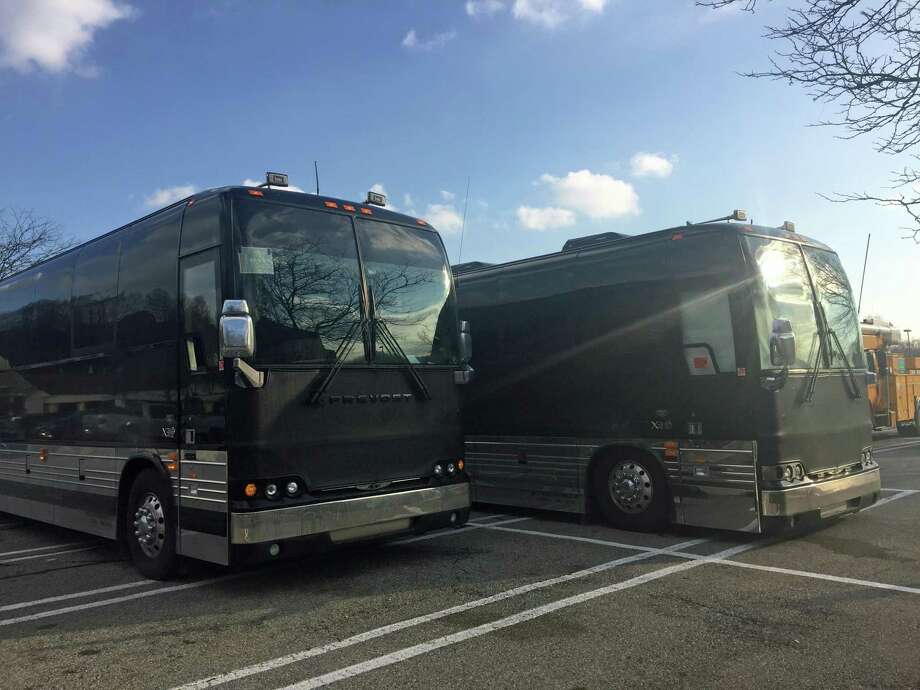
x: 237, y: 333
x: 782, y: 343
x: 466, y: 342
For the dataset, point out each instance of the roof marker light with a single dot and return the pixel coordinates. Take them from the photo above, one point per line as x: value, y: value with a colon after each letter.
x: 330, y: 204
x: 255, y: 192
x: 348, y: 207
x: 421, y: 222
x: 366, y: 211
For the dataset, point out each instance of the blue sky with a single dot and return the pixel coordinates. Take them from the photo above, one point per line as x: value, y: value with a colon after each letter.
x: 569, y: 117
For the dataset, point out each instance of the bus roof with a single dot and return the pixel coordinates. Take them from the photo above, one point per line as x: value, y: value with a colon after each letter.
x: 690, y: 230
x: 309, y: 200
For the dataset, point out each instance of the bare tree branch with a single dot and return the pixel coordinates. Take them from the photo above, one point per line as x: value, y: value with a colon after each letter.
x: 26, y: 239
x: 863, y: 55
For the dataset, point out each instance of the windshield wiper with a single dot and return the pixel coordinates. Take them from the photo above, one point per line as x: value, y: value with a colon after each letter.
x: 390, y: 343
x: 854, y: 386
x: 341, y: 354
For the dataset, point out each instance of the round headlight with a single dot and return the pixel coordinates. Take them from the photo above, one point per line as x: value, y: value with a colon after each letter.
x: 799, y: 472
x: 438, y: 470
x: 292, y: 488
x: 451, y: 469
x: 787, y: 473
x: 271, y: 491
x: 779, y: 471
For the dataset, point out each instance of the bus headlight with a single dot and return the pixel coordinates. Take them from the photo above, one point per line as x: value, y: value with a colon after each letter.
x: 292, y: 488
x: 439, y: 470
x: 799, y: 471
x: 451, y: 469
x: 788, y: 473
x: 271, y: 491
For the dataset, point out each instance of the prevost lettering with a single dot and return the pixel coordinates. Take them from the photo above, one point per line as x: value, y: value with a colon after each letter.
x: 364, y: 398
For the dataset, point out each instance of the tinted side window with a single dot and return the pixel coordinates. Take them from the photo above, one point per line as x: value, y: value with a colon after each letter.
x: 49, y: 313
x: 147, y: 281
x: 15, y: 296
x: 201, y: 225
x: 200, y: 305
x: 94, y: 294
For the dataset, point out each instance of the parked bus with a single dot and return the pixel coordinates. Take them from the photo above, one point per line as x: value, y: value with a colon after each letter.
x: 894, y: 385
x: 235, y: 377
x: 707, y: 375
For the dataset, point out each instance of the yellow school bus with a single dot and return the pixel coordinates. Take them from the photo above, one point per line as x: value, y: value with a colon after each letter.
x: 894, y: 390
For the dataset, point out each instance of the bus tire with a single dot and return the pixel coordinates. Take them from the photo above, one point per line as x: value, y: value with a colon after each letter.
x: 150, y: 528
x: 631, y: 492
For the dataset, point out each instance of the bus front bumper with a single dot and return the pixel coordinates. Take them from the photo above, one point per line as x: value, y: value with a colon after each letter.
x: 829, y: 497
x: 350, y: 519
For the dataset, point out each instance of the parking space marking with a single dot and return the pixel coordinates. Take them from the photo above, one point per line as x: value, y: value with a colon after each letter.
x: 888, y: 499
x: 117, y: 600
x: 43, y: 548
x: 468, y: 527
x: 47, y: 555
x: 508, y: 621
x: 814, y: 576
x: 900, y: 446
x: 288, y: 659
x: 76, y: 595
x: 569, y: 537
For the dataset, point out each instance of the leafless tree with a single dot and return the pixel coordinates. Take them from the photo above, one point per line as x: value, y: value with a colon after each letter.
x: 863, y: 55
x: 26, y: 239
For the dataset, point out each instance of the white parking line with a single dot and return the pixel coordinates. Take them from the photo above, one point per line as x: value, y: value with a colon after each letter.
x: 469, y: 526
x: 508, y: 621
x: 116, y: 600
x: 43, y: 548
x: 76, y: 595
x: 52, y: 554
x: 900, y: 446
x: 288, y: 659
x: 889, y: 499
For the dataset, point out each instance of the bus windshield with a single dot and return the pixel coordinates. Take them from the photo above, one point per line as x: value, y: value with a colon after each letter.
x: 787, y: 274
x: 409, y: 279
x: 300, y: 272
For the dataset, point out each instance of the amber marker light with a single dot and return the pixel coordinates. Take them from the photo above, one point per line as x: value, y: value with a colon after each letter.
x: 330, y: 204
x: 348, y: 207
x: 250, y: 490
x: 255, y: 192
x: 366, y: 211
x: 670, y: 449
x: 460, y: 465
x: 43, y: 455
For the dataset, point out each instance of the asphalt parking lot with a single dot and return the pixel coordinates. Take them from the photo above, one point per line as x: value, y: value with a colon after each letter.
x: 516, y: 599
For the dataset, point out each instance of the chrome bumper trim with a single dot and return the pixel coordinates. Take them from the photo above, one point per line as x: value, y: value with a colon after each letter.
x: 320, y: 518
x: 820, y: 495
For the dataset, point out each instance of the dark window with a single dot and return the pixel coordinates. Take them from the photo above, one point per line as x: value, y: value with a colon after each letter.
x: 147, y: 281
x: 836, y: 300
x: 200, y: 304
x: 299, y: 272
x: 409, y: 280
x: 49, y: 331
x: 201, y: 225
x: 15, y: 296
x: 94, y: 294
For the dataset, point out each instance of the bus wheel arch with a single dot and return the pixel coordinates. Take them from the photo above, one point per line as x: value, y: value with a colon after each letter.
x: 627, y: 485
x: 129, y: 473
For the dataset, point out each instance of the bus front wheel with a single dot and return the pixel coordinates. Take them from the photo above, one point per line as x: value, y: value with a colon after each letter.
x: 631, y: 492
x: 150, y: 526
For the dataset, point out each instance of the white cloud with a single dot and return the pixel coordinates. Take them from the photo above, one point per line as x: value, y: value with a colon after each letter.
x: 444, y: 218
x: 483, y: 8
x: 548, y: 218
x: 408, y: 200
x: 594, y: 194
x: 54, y: 35
x: 413, y: 42
x: 447, y: 196
x: 551, y: 13
x: 652, y: 164
x: 249, y: 182
x: 168, y: 195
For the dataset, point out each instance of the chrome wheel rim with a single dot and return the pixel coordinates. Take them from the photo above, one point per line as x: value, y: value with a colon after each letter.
x: 150, y: 525
x: 631, y: 487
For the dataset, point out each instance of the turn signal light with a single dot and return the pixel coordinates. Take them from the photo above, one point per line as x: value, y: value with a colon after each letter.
x: 250, y: 490
x: 460, y: 465
x: 670, y: 449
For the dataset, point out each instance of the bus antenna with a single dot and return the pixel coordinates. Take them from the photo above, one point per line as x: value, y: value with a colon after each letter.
x: 316, y: 173
x: 862, y: 280
x: 466, y: 202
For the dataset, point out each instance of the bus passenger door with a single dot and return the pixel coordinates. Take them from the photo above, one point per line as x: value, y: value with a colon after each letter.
x: 203, y: 508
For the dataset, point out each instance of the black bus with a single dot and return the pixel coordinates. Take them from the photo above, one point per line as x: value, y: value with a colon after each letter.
x: 707, y: 375
x: 245, y: 373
